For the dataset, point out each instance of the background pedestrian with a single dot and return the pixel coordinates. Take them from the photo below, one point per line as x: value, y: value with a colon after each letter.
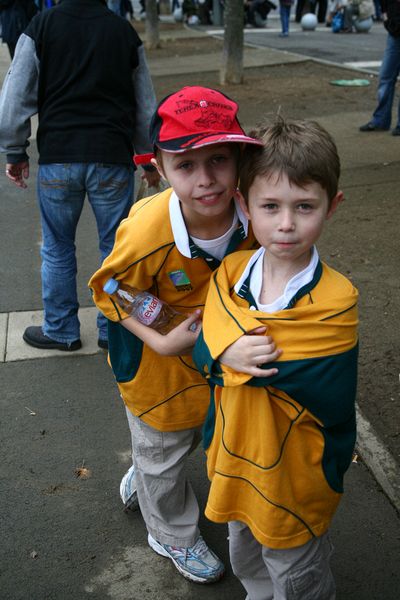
x: 83, y: 70
x: 285, y: 6
x: 389, y: 71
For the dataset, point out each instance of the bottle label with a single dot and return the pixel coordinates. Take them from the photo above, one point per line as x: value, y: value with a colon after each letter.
x: 149, y: 310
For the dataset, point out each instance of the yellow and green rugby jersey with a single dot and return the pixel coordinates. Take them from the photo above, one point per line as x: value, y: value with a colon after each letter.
x: 278, y: 447
x: 153, y: 251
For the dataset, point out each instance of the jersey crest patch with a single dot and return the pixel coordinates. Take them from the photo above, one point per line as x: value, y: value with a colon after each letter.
x: 180, y: 280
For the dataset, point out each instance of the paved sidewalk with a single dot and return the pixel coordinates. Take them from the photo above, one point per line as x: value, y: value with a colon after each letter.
x: 64, y: 537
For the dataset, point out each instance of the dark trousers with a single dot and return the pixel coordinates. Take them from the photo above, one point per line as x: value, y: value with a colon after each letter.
x: 11, y: 48
x: 304, y: 6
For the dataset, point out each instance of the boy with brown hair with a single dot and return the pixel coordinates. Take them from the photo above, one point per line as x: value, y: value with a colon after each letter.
x: 170, y: 244
x: 278, y: 445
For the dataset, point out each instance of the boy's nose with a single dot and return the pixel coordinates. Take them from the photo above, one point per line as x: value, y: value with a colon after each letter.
x: 205, y: 176
x: 287, y: 221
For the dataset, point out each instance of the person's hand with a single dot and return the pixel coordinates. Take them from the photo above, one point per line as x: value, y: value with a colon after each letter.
x: 152, y: 178
x: 180, y: 340
x: 18, y: 173
x: 250, y: 351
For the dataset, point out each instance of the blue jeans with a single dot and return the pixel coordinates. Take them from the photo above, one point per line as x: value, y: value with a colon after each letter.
x: 61, y: 192
x: 115, y: 6
x: 284, y: 10
x: 388, y: 74
x: 378, y: 9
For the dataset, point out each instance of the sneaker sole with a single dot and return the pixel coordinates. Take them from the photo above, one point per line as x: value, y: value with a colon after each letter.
x: 162, y: 552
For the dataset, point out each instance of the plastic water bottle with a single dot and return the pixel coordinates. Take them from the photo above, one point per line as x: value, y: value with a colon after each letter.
x: 144, y: 306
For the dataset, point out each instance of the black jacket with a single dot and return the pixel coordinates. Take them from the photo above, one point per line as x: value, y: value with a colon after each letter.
x: 82, y: 69
x: 392, y: 9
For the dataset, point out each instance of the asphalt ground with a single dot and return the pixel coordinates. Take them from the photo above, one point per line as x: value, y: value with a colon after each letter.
x: 360, y: 51
x: 64, y: 536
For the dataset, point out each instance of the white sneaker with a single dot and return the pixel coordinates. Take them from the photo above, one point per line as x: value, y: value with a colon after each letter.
x: 197, y: 563
x: 127, y: 490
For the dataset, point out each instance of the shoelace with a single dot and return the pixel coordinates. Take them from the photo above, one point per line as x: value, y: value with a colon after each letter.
x: 200, y: 547
x: 198, y: 550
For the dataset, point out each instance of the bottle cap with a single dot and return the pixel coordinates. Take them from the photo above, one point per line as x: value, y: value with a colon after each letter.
x: 111, y: 286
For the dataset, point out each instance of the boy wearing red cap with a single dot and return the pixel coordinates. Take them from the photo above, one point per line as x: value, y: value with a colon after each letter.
x: 170, y: 244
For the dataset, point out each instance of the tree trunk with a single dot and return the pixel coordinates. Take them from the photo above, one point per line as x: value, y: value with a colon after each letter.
x: 232, y: 52
x: 152, y: 32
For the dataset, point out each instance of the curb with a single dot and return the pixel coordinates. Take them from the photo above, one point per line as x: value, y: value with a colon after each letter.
x: 378, y: 459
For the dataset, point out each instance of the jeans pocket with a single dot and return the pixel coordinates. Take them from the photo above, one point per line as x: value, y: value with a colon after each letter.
x: 54, y: 180
x: 112, y: 179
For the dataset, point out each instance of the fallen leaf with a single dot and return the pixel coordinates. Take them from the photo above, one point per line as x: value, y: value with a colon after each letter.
x: 83, y: 473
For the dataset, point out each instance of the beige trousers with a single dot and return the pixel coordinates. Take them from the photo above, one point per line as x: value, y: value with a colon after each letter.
x: 301, y: 573
x: 166, y: 498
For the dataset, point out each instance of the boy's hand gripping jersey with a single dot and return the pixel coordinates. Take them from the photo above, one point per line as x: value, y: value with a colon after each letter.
x: 278, y: 447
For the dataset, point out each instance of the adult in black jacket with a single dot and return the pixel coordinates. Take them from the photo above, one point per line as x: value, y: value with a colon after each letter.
x: 389, y: 72
x: 15, y: 16
x: 83, y: 70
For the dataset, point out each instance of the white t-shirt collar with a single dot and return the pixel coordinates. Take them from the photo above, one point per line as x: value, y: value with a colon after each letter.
x: 179, y: 230
x: 292, y: 287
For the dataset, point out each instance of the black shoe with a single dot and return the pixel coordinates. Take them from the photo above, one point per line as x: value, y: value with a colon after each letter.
x: 102, y: 344
x: 396, y: 131
x: 35, y: 337
x: 372, y: 127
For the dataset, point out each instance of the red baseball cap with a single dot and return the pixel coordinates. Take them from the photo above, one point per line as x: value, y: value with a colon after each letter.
x: 195, y: 117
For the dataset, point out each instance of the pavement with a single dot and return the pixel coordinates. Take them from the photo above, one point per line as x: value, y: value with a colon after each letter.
x: 64, y: 535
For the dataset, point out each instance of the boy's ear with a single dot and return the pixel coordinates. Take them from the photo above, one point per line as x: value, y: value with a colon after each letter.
x: 242, y: 202
x: 158, y: 167
x: 336, y: 200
